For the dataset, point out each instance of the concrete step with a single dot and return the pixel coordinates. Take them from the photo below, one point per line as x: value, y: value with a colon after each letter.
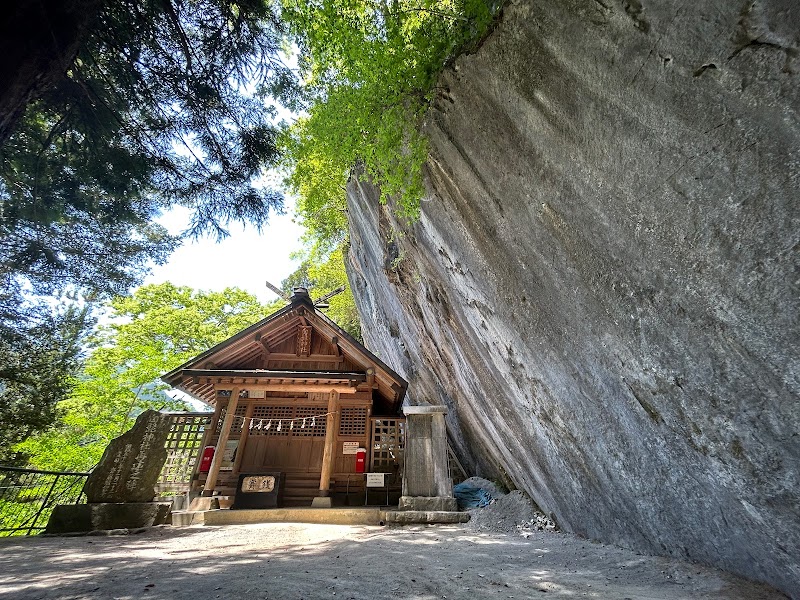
x: 339, y: 516
x: 185, y: 518
x: 335, y: 516
x: 425, y: 516
x: 202, y: 503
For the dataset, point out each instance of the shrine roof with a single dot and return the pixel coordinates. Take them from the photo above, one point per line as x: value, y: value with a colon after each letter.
x: 297, y: 348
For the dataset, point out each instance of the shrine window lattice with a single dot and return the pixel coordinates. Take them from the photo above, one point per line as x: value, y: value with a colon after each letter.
x: 294, y: 421
x: 236, y: 426
x: 353, y: 422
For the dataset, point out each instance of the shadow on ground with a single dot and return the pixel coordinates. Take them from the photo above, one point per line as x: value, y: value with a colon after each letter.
x: 297, y: 561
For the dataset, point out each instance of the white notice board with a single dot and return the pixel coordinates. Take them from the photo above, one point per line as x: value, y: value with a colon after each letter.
x: 229, y: 455
x: 375, y: 479
x: 349, y: 447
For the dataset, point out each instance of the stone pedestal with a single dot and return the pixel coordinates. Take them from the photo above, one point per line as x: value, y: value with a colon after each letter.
x: 426, y: 477
x: 204, y: 503
x: 72, y: 518
x: 427, y: 503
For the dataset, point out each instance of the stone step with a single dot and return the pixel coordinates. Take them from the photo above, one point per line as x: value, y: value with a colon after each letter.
x: 307, y: 514
x: 352, y: 515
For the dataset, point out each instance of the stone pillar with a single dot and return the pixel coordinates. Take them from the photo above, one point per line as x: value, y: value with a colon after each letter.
x: 426, y: 477
x: 323, y: 500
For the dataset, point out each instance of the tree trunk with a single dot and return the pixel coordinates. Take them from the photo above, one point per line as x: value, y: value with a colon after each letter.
x: 39, y: 40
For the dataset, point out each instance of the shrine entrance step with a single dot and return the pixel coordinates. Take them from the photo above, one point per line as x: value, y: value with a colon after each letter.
x: 329, y: 516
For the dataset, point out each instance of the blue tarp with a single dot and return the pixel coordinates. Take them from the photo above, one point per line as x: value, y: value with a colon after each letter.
x: 469, y: 496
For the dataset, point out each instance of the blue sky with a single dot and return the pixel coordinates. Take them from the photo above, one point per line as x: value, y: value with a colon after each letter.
x: 246, y: 260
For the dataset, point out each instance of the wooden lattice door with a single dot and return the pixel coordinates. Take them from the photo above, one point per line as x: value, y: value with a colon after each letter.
x: 183, y: 447
x: 388, y: 445
x: 285, y: 437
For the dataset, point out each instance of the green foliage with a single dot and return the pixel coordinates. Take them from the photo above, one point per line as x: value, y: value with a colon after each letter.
x: 370, y: 69
x: 321, y: 273
x: 22, y: 507
x: 154, y: 111
x: 163, y: 104
x: 37, y: 364
x: 151, y: 332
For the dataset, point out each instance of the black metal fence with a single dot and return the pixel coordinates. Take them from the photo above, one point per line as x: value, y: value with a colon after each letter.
x: 27, y: 497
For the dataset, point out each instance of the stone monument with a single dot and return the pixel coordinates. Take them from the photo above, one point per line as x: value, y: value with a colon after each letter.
x: 120, y: 489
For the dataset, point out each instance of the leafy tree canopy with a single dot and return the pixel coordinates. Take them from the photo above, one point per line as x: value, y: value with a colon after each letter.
x: 370, y: 68
x: 134, y: 106
x: 153, y: 331
x: 36, y: 364
x: 157, y: 108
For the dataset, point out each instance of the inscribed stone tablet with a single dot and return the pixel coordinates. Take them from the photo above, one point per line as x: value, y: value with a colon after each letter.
x: 131, y: 463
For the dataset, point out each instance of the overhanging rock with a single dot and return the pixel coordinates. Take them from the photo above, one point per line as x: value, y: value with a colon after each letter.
x: 602, y: 286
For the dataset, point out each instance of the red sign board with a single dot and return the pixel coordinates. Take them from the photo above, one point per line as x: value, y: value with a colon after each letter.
x: 205, y: 461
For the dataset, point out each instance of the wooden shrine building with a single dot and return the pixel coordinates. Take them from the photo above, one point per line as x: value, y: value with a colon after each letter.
x: 297, y: 395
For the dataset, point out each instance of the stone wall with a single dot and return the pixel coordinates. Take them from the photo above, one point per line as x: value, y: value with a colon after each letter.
x: 603, y: 286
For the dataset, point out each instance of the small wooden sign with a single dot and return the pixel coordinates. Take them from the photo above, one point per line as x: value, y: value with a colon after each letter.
x: 349, y: 447
x: 258, y: 484
x: 375, y: 479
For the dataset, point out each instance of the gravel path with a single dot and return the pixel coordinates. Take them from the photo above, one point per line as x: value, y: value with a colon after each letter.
x: 296, y: 561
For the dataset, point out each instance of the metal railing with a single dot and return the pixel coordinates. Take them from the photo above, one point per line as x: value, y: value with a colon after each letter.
x: 27, y: 497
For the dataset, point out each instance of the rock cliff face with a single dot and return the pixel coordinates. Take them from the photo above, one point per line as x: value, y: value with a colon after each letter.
x: 603, y: 286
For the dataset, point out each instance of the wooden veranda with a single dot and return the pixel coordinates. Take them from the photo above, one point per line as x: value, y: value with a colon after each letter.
x: 295, y: 394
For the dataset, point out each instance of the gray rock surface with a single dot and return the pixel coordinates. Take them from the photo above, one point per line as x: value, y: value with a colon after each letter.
x: 131, y: 464
x: 603, y: 287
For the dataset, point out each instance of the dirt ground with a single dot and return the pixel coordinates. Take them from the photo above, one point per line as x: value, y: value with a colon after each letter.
x: 297, y: 561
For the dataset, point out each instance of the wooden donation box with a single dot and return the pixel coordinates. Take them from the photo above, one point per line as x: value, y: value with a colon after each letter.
x: 258, y: 490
